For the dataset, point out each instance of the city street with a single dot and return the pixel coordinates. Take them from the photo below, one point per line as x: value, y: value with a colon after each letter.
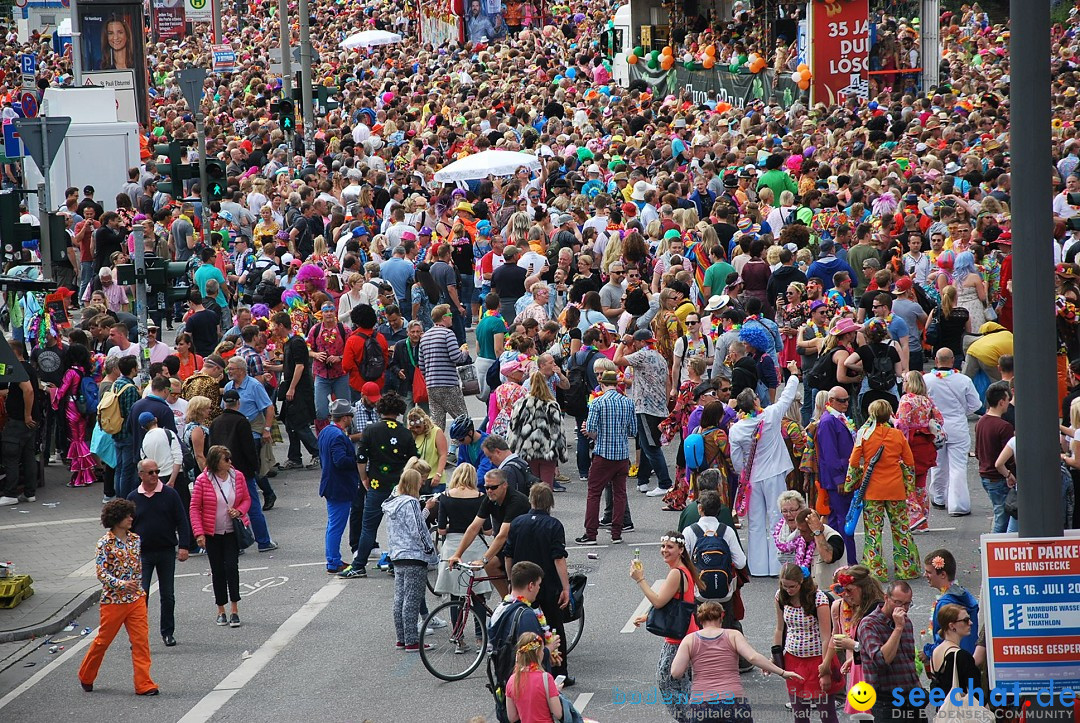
x: 312, y: 646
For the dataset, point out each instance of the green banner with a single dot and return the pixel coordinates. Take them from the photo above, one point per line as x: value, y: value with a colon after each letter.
x: 738, y: 89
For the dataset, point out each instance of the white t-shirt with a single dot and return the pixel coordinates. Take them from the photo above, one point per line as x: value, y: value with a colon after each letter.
x: 1062, y: 209
x: 132, y: 350
x: 532, y: 262
x: 179, y: 410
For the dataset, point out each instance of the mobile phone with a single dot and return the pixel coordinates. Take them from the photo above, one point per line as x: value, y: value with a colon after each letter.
x: 559, y: 680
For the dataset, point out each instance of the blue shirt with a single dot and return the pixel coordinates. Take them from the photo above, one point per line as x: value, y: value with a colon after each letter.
x: 474, y: 455
x: 399, y: 272
x: 253, y: 399
x: 206, y: 272
x: 611, y: 419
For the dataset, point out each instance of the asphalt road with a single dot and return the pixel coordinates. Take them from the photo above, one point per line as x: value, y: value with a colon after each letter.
x: 314, y: 647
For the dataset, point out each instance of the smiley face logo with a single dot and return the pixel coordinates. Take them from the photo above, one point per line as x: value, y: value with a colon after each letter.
x: 862, y: 697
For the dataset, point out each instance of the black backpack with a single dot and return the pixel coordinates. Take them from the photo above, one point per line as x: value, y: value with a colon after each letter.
x: 576, y: 397
x: 712, y: 557
x: 820, y: 376
x: 491, y: 376
x: 881, y: 373
x: 525, y: 478
x: 373, y: 365
x: 501, y: 660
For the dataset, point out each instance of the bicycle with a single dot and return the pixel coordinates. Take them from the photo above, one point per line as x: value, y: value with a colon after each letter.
x: 451, y: 656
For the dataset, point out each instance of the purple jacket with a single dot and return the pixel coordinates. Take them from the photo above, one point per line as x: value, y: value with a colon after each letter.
x: 834, y: 444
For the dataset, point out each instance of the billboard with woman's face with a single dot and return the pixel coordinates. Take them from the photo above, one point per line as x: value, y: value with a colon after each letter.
x: 114, y: 40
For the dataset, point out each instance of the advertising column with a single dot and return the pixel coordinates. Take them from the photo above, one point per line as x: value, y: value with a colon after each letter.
x: 839, y: 50
x: 114, y: 50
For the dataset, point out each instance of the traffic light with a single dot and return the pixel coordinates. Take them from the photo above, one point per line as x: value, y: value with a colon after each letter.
x: 13, y: 233
x: 324, y: 97
x: 215, y: 179
x: 176, y: 170
x: 287, y: 115
x: 57, y: 234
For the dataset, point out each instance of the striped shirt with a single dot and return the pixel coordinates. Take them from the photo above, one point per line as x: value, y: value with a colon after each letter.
x: 612, y: 421
x: 440, y: 356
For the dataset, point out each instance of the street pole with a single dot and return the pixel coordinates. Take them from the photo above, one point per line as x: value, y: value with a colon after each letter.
x: 204, y: 186
x: 45, y: 247
x: 217, y: 19
x: 76, y: 44
x: 930, y: 43
x: 1037, y: 410
x: 305, y: 76
x: 140, y: 301
x: 286, y: 68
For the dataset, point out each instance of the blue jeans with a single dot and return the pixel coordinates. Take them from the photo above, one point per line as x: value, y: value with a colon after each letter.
x: 584, y: 456
x: 126, y: 479
x: 996, y: 489
x: 86, y: 275
x: 255, y: 514
x: 808, y: 403
x: 652, y: 456
x: 337, y: 514
x: 324, y: 388
x: 370, y: 526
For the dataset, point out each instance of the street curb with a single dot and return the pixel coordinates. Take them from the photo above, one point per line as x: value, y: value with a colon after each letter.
x: 56, y: 622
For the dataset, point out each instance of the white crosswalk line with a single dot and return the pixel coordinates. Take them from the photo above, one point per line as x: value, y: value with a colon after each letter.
x: 641, y: 609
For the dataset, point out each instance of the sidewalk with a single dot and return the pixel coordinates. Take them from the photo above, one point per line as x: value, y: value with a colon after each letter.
x: 52, y: 540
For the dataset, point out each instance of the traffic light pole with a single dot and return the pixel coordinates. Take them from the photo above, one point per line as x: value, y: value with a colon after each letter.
x: 45, y: 247
x: 204, y: 184
x: 140, y: 301
x: 308, y: 109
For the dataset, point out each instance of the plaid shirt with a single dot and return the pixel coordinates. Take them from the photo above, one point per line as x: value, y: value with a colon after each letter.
x: 253, y: 359
x: 874, y: 631
x: 127, y: 401
x: 362, y: 417
x: 612, y: 421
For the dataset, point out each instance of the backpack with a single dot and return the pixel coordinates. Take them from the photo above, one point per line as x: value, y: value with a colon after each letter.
x: 819, y: 376
x: 577, y: 396
x: 86, y: 401
x: 712, y: 557
x: 109, y: 416
x: 881, y: 375
x: 491, y: 376
x: 528, y: 479
x: 190, y: 466
x: 501, y: 662
x: 373, y: 365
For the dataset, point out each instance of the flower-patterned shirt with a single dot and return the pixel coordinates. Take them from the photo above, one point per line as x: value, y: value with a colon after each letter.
x: 649, y: 390
x: 118, y: 562
x: 803, y: 632
x: 506, y: 396
x: 915, y: 412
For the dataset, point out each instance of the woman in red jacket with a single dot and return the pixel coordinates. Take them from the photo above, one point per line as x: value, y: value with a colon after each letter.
x: 219, y: 497
x: 364, y: 320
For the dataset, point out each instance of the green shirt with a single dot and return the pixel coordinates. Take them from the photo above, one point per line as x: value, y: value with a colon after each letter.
x: 856, y: 255
x: 206, y: 272
x: 716, y: 277
x: 486, y: 330
x: 778, y: 181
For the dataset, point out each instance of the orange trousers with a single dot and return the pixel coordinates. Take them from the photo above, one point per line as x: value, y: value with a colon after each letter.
x: 133, y: 617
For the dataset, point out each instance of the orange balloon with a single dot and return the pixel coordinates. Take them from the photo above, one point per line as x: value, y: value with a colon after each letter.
x: 667, y: 50
x: 710, y: 50
x: 708, y: 62
x: 666, y: 62
x: 758, y: 66
x: 723, y: 107
x: 632, y: 59
x: 803, y: 66
x: 804, y: 85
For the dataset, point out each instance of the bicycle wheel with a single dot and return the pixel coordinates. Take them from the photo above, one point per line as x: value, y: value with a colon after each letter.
x: 573, y: 630
x: 457, y: 649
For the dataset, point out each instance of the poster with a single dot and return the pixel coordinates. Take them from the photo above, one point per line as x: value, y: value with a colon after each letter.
x: 121, y: 81
x: 839, y: 50
x: 223, y: 59
x: 168, y: 18
x: 738, y: 89
x: 1031, y: 600
x: 114, y: 39
x: 56, y: 305
x: 484, y: 21
x: 199, y: 11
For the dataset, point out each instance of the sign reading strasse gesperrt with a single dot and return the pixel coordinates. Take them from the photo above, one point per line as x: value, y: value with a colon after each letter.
x: 1032, y: 598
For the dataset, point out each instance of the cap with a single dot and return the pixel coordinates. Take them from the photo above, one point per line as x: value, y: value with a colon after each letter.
x: 340, y: 408
x: 216, y: 360
x: 146, y: 419
x: 593, y: 168
x: 643, y: 335
x: 425, y: 231
x: 672, y: 234
x: 609, y: 377
x: 903, y: 285
x: 703, y: 388
x: 230, y: 396
x: 629, y: 209
x: 371, y: 391
x: 816, y: 304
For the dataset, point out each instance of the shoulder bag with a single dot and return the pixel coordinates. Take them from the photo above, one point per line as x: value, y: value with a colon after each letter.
x: 966, y: 709
x: 673, y: 619
x: 245, y: 538
x: 858, y: 500
x: 569, y: 712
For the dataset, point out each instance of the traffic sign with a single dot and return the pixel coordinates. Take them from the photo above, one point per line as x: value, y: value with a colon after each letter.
x: 13, y: 146
x: 28, y: 66
x: 29, y: 104
x: 43, y: 137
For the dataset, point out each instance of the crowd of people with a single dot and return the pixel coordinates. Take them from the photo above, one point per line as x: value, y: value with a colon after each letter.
x: 811, y: 302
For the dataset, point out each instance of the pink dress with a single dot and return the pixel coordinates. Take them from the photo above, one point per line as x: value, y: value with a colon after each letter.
x: 82, y: 466
x: 500, y: 404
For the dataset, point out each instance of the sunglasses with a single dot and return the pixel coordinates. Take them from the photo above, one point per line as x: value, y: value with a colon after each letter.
x: 692, y: 322
x: 840, y: 400
x: 964, y: 620
x: 489, y: 488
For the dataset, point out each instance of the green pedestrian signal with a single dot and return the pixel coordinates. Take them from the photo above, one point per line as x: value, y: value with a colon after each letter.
x: 286, y: 115
x: 215, y: 179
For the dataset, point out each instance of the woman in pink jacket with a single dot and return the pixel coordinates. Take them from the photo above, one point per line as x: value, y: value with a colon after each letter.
x: 219, y: 497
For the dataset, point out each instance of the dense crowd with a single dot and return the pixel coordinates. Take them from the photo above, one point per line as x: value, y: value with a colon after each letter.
x: 810, y: 301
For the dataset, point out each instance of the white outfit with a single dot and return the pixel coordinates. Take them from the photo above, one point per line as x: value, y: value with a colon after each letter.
x: 955, y: 397
x: 162, y: 446
x: 768, y: 477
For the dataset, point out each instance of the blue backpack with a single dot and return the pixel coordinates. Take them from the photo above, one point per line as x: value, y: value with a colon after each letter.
x: 712, y: 557
x: 87, y: 399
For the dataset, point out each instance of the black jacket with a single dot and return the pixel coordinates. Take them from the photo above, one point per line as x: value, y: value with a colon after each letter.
x: 161, y: 520
x: 744, y: 375
x: 400, y: 361
x: 233, y: 430
x: 780, y: 280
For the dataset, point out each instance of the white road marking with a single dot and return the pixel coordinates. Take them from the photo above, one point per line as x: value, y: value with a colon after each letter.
x: 56, y: 663
x: 582, y: 701
x: 25, y: 525
x: 641, y: 609
x: 87, y: 570
x: 629, y: 546
x: 250, y: 589
x: 306, y: 564
x: 213, y: 701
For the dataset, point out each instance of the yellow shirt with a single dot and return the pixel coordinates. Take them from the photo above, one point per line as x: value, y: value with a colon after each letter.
x: 995, y: 342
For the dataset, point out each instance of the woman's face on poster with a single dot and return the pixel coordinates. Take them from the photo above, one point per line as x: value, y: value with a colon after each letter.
x: 117, y: 35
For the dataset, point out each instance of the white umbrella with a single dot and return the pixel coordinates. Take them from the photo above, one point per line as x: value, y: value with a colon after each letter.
x: 487, y: 163
x: 369, y: 38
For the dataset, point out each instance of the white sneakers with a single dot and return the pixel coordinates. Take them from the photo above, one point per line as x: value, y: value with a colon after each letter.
x: 8, y: 501
x: 657, y: 492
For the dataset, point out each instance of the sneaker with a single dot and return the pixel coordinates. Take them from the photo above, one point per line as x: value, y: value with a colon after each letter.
x: 399, y: 645
x: 384, y: 561
x: 643, y: 487
x: 560, y: 477
x: 558, y: 487
x: 616, y: 540
x: 293, y: 464
x: 628, y: 528
x: 335, y: 570
x: 605, y: 523
x: 234, y: 621
x: 314, y: 463
x: 222, y: 619
x: 352, y: 573
x: 421, y: 631
x: 633, y: 471
x: 269, y: 548
x: 461, y: 647
x: 27, y: 498
x: 437, y: 623
x: 585, y: 540
x: 583, y: 477
x: 8, y: 501
x: 269, y: 503
x: 415, y: 647
x: 106, y: 499
x: 657, y: 492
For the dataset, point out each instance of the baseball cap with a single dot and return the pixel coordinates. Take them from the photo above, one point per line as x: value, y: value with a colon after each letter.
x: 371, y: 391
x: 146, y: 418
x: 903, y: 285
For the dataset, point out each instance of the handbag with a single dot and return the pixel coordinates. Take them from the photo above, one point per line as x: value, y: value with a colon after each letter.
x: 577, y: 597
x: 932, y: 333
x: 965, y: 709
x: 1012, y: 504
x: 858, y: 501
x: 470, y: 382
x: 245, y: 538
x: 419, y: 387
x: 673, y: 619
x: 941, y: 438
x: 741, y: 505
x: 570, y: 714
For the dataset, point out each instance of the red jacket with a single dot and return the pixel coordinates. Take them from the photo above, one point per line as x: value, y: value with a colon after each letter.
x: 354, y: 355
x: 205, y: 498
